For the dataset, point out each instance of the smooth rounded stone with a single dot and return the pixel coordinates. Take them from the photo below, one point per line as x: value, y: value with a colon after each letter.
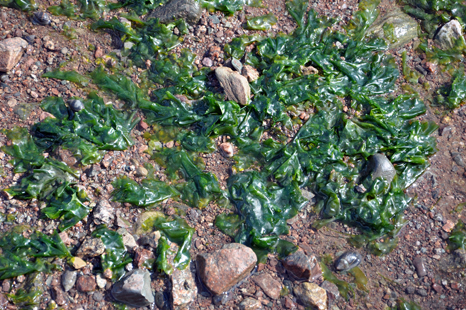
x: 91, y: 247
x: 11, y: 51
x: 141, y: 172
x: 207, y: 62
x: 250, y: 304
x: 235, y: 85
x: 348, y: 260
x: 301, y: 266
x: 227, y: 149
x: 405, y: 28
x: 103, y: 213
x: 134, y: 289
x: 85, y: 284
x: 189, y: 10
x: 68, y: 279
x: 237, y: 64
x: 76, y: 105
x: 41, y: 18
x: 381, y: 166
x: 222, y: 269
x: 419, y: 264
x: 269, y: 285
x: 311, y: 295
x: 448, y: 34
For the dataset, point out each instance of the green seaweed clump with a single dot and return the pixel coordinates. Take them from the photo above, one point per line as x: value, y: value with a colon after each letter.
x: 72, y: 76
x: 115, y: 257
x: 229, y: 6
x: 264, y: 22
x: 140, y: 7
x: 25, y: 299
x: 23, y: 5
x: 455, y: 94
x: 457, y: 238
x: 21, y: 255
x: 87, y: 9
x: 406, y: 305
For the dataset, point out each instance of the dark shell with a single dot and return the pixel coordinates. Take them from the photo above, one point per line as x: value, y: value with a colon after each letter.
x: 30, y: 39
x: 41, y: 18
x: 348, y: 261
x: 76, y: 105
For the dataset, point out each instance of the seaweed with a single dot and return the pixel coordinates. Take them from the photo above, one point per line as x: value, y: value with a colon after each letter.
x: 406, y: 305
x: 87, y: 9
x: 65, y: 8
x: 264, y: 22
x: 115, y: 257
x: 229, y: 7
x: 72, y: 76
x: 140, y: 7
x: 457, y: 238
x: 23, y: 5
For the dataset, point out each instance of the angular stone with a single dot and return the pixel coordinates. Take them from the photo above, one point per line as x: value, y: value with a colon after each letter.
x: 381, y: 166
x: 134, y: 289
x: 86, y: 284
x: 100, y: 280
x: 302, y: 266
x: 184, y: 289
x: 250, y: 73
x: 59, y: 296
x: 269, y: 285
x: 91, y: 247
x: 222, y: 269
x: 189, y: 10
x: 309, y: 70
x: 103, y: 213
x: 250, y: 304
x: 236, y: 86
x: 142, y: 256
x: 311, y: 295
x: 11, y: 51
x: 128, y: 239
x: 68, y: 279
x: 448, y: 34
x: 77, y: 262
x: 151, y: 239
x: 236, y: 64
x: 405, y: 28
x: 332, y: 291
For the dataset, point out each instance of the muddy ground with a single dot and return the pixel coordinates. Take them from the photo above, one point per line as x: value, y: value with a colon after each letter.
x: 438, y: 191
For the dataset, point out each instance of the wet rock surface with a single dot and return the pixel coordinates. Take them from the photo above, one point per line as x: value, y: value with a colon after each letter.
x: 302, y: 266
x: 91, y: 247
x: 311, y: 295
x: 380, y: 166
x: 188, y: 10
x: 134, y: 289
x: 348, y: 260
x: 269, y: 285
x: 448, y: 34
x: 236, y: 86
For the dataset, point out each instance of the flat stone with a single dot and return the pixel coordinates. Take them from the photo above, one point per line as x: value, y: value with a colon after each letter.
x: 128, y: 239
x: 85, y: 284
x: 311, y: 295
x: 448, y: 34
x: 103, y: 213
x: 222, y: 269
x: 235, y: 85
x: 332, y: 291
x: 134, y: 289
x: 269, y: 285
x: 68, y: 279
x: 184, y: 289
x: 237, y: 64
x: 250, y: 73
x: 302, y: 266
x: 77, y: 262
x: 91, y: 247
x: 141, y: 172
x: 11, y: 51
x: 381, y: 166
x: 189, y: 10
x: 250, y: 304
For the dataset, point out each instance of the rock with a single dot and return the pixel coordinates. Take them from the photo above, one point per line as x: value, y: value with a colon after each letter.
x: 448, y: 34
x: 309, y: 70
x: 76, y: 105
x: 146, y: 216
x: 99, y: 52
x: 311, y: 295
x: 59, y: 296
x: 250, y: 304
x: 332, y: 291
x: 11, y: 51
x: 85, y: 284
x: 151, y: 239
x: 128, y: 239
x: 269, y: 285
x: 189, y: 10
x: 410, y: 290
x: 184, y: 289
x: 227, y: 149
x: 237, y: 64
x: 77, y: 262
x: 222, y: 269
x: 50, y: 46
x: 134, y: 289
x: 142, y: 256
x: 236, y: 86
x: 302, y: 266
x: 206, y: 61
x: 250, y: 73
x: 103, y: 213
x: 418, y: 263
x: 460, y: 256
x: 65, y: 238
x: 100, y: 281
x: 68, y: 279
x: 458, y: 159
x: 41, y: 18
x: 448, y: 226
x: 348, y: 260
x: 141, y: 172
x: 380, y: 166
x: 401, y: 28
x: 91, y: 247
x: 421, y: 292
x: 3, y: 301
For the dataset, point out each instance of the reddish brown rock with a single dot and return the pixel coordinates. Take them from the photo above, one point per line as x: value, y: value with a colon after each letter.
x: 58, y: 295
x: 11, y: 51
x: 3, y: 301
x: 222, y: 269
x: 86, y: 284
x: 141, y: 256
x: 269, y: 285
x: 302, y: 266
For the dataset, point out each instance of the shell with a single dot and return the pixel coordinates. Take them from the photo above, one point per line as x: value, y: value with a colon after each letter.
x: 76, y: 105
x: 348, y: 261
x: 41, y: 18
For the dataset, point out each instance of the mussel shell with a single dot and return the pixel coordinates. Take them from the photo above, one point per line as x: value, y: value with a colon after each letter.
x: 41, y: 18
x: 76, y: 105
x: 348, y: 260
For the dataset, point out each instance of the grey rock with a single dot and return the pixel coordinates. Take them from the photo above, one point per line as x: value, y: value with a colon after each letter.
x: 162, y: 301
x: 151, y: 239
x: 380, y: 166
x: 458, y: 159
x: 141, y: 172
x: 237, y: 64
x: 11, y: 51
x: 250, y: 304
x: 302, y: 266
x: 405, y: 28
x: 236, y: 86
x: 76, y: 105
x: 419, y: 264
x: 128, y: 239
x: 421, y: 292
x: 214, y: 19
x: 332, y: 291
x: 410, y: 290
x: 134, y: 289
x: 103, y: 213
x: 207, y: 62
x: 68, y: 279
x: 348, y: 260
x: 448, y: 34
x: 91, y: 247
x: 41, y: 18
x: 189, y: 10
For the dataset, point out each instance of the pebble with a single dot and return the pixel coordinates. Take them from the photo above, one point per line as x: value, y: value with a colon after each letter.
x: 103, y: 213
x: 236, y: 86
x: 207, y: 62
x: 269, y: 285
x: 77, y: 263
x: 68, y: 279
x: 227, y: 149
x: 11, y: 51
x: 91, y: 247
x: 141, y: 172
x: 100, y: 281
x: 421, y: 292
x: 76, y: 105
x: 448, y: 226
x: 237, y: 64
x: 250, y: 304
x: 49, y: 45
x: 311, y: 295
x: 302, y: 266
x: 419, y: 264
x: 134, y: 289
x: 85, y: 284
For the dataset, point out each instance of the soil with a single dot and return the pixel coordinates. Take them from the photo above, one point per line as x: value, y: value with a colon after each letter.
x: 438, y: 191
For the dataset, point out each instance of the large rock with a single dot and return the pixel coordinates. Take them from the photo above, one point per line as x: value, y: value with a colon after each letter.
x: 269, y: 285
x: 189, y: 10
x: 235, y: 85
x: 311, y: 295
x: 134, y: 289
x: 380, y: 166
x: 302, y: 266
x: 104, y: 213
x: 396, y: 27
x: 11, y: 51
x: 222, y: 269
x: 448, y: 34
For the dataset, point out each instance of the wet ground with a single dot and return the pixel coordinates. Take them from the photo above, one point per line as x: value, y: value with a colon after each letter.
x: 438, y: 191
